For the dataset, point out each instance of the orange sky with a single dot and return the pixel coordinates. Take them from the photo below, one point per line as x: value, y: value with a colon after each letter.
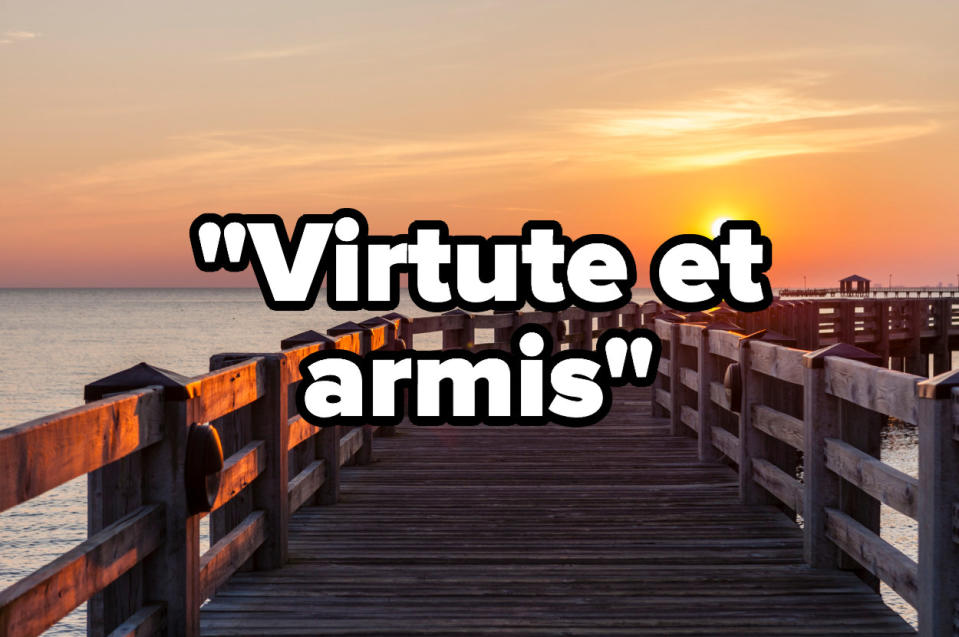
x: 833, y: 126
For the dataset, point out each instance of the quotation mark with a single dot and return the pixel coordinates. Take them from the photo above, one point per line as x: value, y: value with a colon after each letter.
x: 638, y: 347
x: 209, y: 233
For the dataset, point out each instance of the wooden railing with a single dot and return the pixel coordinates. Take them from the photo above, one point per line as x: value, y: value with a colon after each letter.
x: 803, y: 430
x: 141, y: 570
x: 801, y: 427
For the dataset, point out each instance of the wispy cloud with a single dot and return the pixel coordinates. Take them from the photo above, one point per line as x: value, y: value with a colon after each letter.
x: 280, y: 53
x: 735, y: 125
x: 10, y: 37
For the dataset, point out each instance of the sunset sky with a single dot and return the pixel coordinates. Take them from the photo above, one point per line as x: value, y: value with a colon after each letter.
x: 833, y: 124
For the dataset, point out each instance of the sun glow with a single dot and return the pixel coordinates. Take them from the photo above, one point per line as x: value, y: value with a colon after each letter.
x: 718, y: 224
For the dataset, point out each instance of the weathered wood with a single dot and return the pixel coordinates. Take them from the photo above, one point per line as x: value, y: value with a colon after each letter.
x: 473, y: 530
x: 939, y: 491
x: 725, y: 344
x: 300, y: 431
x: 690, y: 418
x: 876, y: 555
x: 239, y: 470
x: 717, y: 394
x: 675, y: 395
x: 724, y: 441
x: 821, y: 486
x: 39, y: 600
x: 689, y: 378
x: 225, y: 390
x: 777, y: 361
x: 778, y: 425
x: 777, y: 482
x: 888, y: 485
x: 271, y: 425
x: 329, y: 453
x: 233, y: 549
x: 752, y: 446
x: 663, y: 366
x: 305, y: 484
x: 350, y: 444
x: 44, y: 453
x: 149, y: 620
x: 874, y: 388
x: 663, y: 398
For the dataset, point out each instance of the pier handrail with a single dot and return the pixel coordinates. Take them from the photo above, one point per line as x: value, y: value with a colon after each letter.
x: 140, y: 570
x: 803, y: 429
x: 767, y: 403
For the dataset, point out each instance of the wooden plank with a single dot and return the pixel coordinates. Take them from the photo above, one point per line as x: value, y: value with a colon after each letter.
x: 689, y: 417
x: 879, y: 557
x: 888, y: 485
x: 780, y: 426
x: 725, y: 344
x: 689, y: 378
x: 149, y: 620
x: 881, y: 390
x: 663, y: 366
x: 229, y: 554
x: 306, y: 483
x: 217, y: 393
x: 717, y: 394
x: 725, y: 442
x: 493, y: 321
x: 300, y: 430
x: 294, y: 356
x: 425, y: 324
x: 44, y: 453
x: 350, y: 444
x: 663, y: 329
x: 777, y: 361
x: 773, y: 479
x: 689, y: 334
x: 663, y: 398
x: 39, y: 600
x: 239, y: 470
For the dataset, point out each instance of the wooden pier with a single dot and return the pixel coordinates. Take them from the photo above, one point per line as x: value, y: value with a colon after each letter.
x: 676, y: 514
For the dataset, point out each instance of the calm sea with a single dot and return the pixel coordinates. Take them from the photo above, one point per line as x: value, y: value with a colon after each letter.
x: 53, y: 342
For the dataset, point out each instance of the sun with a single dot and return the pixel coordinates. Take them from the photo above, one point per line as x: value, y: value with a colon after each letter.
x: 718, y: 224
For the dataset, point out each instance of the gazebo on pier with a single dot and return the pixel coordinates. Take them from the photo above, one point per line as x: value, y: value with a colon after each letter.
x: 854, y: 284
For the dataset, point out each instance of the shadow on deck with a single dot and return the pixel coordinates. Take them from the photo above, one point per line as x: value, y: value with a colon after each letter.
x: 610, y: 529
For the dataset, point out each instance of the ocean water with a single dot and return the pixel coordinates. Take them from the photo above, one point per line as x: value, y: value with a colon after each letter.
x: 53, y: 342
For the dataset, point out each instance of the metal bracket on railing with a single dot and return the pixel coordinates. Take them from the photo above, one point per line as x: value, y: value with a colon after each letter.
x: 204, y: 462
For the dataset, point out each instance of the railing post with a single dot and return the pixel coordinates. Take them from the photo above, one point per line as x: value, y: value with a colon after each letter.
x: 941, y: 356
x: 270, y: 423
x: 705, y: 407
x: 364, y: 454
x: 171, y: 574
x: 658, y: 411
x: 820, y: 486
x: 675, y: 398
x: 752, y: 443
x: 502, y: 334
x: 461, y: 336
x: 584, y: 328
x: 938, y: 501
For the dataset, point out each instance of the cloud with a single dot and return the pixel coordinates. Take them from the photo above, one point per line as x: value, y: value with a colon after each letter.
x: 277, y: 54
x: 9, y: 37
x: 731, y: 126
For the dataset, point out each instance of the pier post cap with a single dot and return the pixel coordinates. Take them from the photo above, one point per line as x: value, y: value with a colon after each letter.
x: 459, y: 312
x: 939, y: 387
x: 816, y: 359
x: 697, y: 317
x: 140, y: 375
x: 304, y: 338
x: 376, y: 321
x: 725, y: 326
x: 769, y: 336
x: 396, y: 316
x: 345, y: 328
x: 669, y: 317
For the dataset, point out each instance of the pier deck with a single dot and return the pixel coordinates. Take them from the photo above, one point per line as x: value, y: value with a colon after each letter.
x: 612, y: 529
